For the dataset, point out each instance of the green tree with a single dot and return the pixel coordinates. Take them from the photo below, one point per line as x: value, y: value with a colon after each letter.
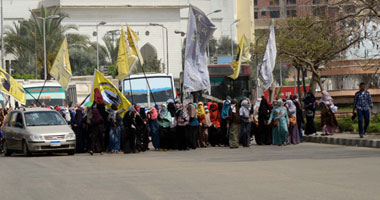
x: 311, y: 42
x: 25, y: 42
x: 150, y: 65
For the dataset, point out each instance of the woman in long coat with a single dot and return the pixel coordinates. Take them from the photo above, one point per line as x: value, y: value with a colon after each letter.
x: 235, y: 125
x: 245, y: 132
x: 264, y: 133
x: 294, y: 136
x: 279, y: 117
x: 328, y: 121
x: 77, y: 123
x: 309, y: 103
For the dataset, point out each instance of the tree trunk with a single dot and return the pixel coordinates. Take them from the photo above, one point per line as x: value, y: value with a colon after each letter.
x: 316, y: 79
x: 298, y: 82
x: 303, y: 81
x: 313, y: 83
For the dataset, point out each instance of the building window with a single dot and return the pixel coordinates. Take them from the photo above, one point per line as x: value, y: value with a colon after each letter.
x: 263, y: 13
x: 291, y: 1
x: 255, y: 2
x: 256, y: 15
x: 291, y: 13
x: 274, y: 14
x: 274, y: 2
x: 320, y: 1
x: 319, y: 11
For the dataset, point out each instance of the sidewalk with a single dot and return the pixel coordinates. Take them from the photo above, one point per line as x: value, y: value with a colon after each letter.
x: 371, y: 140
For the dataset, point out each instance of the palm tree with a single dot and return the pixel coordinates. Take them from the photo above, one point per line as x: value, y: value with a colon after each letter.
x: 25, y: 40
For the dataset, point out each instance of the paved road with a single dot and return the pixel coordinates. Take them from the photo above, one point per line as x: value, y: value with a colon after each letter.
x: 306, y: 171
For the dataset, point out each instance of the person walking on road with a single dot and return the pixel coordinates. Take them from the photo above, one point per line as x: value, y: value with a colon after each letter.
x: 362, y: 106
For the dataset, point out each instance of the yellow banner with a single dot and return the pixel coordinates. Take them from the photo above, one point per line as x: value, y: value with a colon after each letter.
x: 243, y: 55
x: 12, y: 87
x: 132, y: 39
x: 111, y: 95
x: 61, y: 69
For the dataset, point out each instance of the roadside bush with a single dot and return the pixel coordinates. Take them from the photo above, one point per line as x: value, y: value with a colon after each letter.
x: 374, y: 128
x: 346, y: 124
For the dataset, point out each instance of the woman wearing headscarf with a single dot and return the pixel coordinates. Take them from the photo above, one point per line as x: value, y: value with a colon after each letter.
x: 115, y: 130
x: 235, y: 125
x: 182, y: 118
x: 294, y: 136
x: 96, y: 130
x: 77, y: 124
x: 214, y: 136
x: 193, y: 126
x: 154, y: 127
x: 309, y: 105
x: 172, y: 132
x: 300, y: 120
x: 225, y: 121
x: 280, y: 122
x: 264, y: 134
x: 130, y: 130
x: 141, y: 122
x: 328, y: 120
x: 164, y: 121
x: 99, y: 103
x: 201, y: 114
x: 245, y: 123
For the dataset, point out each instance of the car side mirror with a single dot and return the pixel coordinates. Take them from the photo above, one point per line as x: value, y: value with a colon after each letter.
x: 19, y: 125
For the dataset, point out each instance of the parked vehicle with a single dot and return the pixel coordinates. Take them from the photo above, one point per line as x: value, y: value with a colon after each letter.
x: 37, y: 130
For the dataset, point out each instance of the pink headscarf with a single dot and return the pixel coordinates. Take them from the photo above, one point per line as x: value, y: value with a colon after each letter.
x: 152, y: 113
x: 326, y: 98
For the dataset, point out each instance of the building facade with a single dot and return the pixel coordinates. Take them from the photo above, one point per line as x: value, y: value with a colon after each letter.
x: 171, y: 14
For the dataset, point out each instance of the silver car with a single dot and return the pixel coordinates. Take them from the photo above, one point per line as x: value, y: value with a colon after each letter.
x: 37, y: 130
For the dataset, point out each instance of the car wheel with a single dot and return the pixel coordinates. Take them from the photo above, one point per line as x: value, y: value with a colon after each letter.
x: 71, y: 153
x: 25, y: 149
x: 6, y: 151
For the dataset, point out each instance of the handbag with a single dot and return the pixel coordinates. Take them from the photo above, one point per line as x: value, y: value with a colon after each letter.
x: 334, y: 108
x: 309, y: 113
x: 292, y: 121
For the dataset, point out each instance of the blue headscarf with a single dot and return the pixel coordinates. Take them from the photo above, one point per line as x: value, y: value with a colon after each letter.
x: 226, y: 109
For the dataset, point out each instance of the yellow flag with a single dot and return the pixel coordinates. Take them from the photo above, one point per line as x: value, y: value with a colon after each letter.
x: 61, y: 69
x: 242, y: 56
x: 111, y: 95
x: 122, y: 58
x: 132, y: 39
x: 12, y: 87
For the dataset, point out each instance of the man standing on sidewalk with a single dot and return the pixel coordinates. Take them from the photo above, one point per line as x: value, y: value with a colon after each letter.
x: 363, y: 105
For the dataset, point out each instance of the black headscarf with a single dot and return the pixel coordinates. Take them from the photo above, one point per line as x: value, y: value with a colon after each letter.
x: 310, y: 99
x: 263, y: 109
x: 78, y: 118
x: 142, y: 113
x: 171, y: 109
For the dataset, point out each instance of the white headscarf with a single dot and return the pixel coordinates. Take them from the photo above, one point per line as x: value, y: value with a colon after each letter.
x: 326, y: 98
x: 292, y: 109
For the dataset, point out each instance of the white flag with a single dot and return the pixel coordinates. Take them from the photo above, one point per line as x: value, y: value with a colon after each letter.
x: 269, y: 61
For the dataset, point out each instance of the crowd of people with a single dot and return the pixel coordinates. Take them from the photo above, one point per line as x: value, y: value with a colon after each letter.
x: 177, y: 126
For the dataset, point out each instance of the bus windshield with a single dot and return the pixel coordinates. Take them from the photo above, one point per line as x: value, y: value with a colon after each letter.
x: 135, y: 89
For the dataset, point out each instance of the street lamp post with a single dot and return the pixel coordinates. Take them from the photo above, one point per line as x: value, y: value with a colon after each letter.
x: 167, y: 44
x: 215, y: 11
x: 97, y: 43
x: 232, y: 40
x: 208, y: 44
x: 2, y: 36
x: 44, y: 38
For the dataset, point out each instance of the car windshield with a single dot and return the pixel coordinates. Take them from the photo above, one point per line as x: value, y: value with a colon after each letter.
x: 46, y: 118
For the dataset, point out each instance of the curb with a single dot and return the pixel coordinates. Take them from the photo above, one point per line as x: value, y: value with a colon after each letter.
x: 371, y: 143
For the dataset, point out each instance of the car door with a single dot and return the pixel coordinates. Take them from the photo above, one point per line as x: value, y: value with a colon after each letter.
x: 19, y: 131
x: 8, y: 130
